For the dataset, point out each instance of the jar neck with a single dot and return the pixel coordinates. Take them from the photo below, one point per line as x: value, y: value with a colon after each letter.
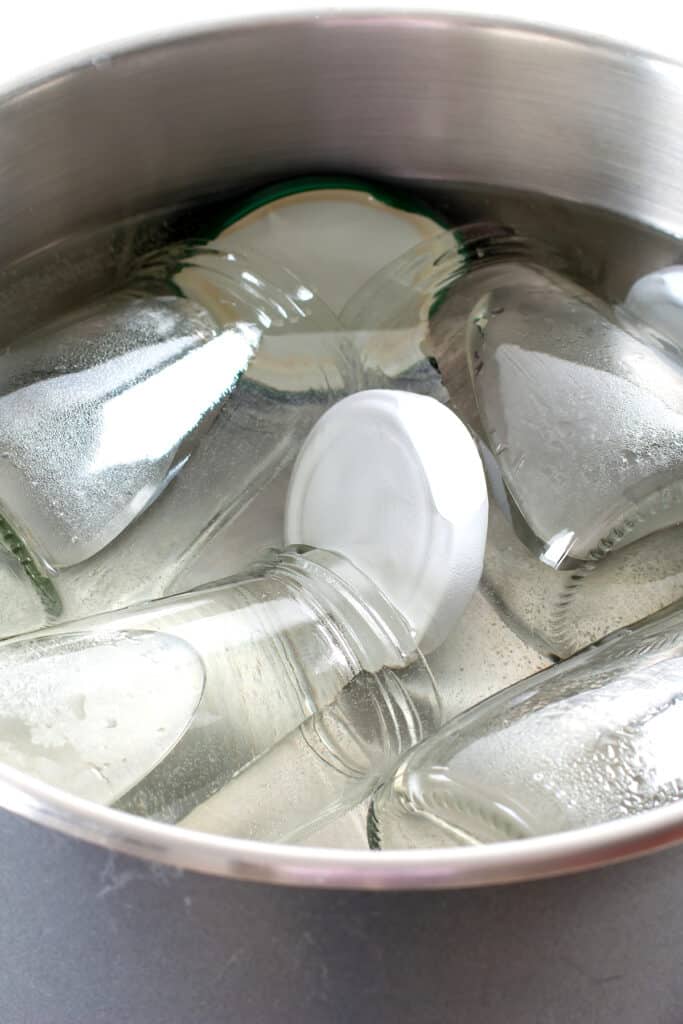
x: 391, y: 700
x: 297, y: 345
x: 375, y: 720
x: 349, y: 604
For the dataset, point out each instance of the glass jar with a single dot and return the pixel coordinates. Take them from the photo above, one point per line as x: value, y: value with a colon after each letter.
x: 137, y: 427
x: 578, y: 413
x: 590, y: 740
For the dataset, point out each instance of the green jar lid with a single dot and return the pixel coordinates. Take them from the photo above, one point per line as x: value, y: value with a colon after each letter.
x: 334, y: 234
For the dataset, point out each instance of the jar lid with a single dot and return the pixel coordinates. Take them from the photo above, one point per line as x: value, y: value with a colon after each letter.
x: 332, y: 234
x: 393, y: 482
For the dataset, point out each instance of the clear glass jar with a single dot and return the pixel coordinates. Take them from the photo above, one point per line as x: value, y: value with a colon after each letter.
x: 135, y: 428
x: 578, y: 412
x: 308, y: 639
x: 158, y: 706
x: 590, y: 740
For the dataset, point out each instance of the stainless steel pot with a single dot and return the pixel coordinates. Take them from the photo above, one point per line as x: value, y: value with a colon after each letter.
x: 109, y: 918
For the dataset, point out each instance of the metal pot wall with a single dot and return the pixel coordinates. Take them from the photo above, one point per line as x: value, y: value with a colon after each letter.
x: 110, y: 918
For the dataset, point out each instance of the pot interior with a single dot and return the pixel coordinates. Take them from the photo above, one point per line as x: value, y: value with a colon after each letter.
x: 568, y: 140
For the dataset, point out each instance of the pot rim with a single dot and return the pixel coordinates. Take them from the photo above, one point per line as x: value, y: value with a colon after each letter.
x: 248, y: 860
x: 150, y: 42
x: 460, y: 867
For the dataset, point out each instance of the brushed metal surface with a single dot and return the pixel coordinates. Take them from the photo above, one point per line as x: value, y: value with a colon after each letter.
x: 433, y: 100
x: 415, y: 97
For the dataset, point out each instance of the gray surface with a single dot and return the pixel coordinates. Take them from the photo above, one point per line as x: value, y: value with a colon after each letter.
x: 87, y: 937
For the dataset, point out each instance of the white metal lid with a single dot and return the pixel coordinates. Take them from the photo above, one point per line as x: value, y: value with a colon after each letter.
x: 393, y: 481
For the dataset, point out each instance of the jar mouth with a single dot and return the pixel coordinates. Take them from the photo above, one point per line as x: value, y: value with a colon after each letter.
x: 376, y: 631
x: 307, y: 352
